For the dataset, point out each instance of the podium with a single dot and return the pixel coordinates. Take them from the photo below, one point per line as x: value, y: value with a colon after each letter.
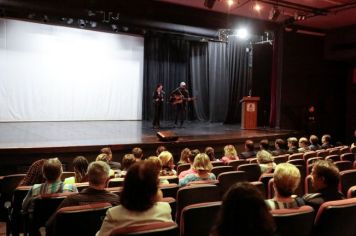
x: 249, y: 112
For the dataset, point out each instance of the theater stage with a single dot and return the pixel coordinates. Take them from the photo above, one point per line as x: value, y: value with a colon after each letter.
x: 23, y: 142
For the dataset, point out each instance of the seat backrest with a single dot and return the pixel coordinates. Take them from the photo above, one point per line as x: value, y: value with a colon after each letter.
x: 183, y: 167
x: 8, y: 185
x: 308, y: 155
x: 115, y: 182
x: 308, y: 184
x: 149, y: 229
x: 300, y: 190
x: 198, y: 219
x: 297, y: 162
x: 345, y: 149
x: 259, y: 185
x: 343, y: 165
x: 336, y: 218
x: 236, y: 163
x: 252, y: 160
x: 294, y: 222
x: 196, y: 194
x: 221, y: 169
x: 322, y: 153
x: 296, y: 156
x: 332, y: 158
x: 217, y: 163
x: 334, y: 151
x: 169, y: 190
x: 92, y: 216
x: 264, y: 178
x: 347, y: 180
x: 81, y: 186
x: 227, y: 179
x: 270, y: 190
x: 347, y: 157
x: 353, y: 149
x: 351, y: 192
x: 281, y: 158
x: 253, y: 171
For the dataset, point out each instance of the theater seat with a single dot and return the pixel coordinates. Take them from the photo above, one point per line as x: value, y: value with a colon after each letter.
x: 183, y: 167
x: 332, y: 158
x: 343, y: 165
x: 294, y: 222
x: 347, y: 180
x: 236, y: 163
x: 308, y: 184
x: 281, y: 158
x: 227, y: 179
x: 149, y: 229
x: 264, y: 178
x: 169, y: 190
x: 336, y: 218
x: 348, y: 157
x: 221, y: 169
x: 115, y: 182
x: 253, y: 171
x: 68, y: 220
x: 351, y: 192
x: 198, y: 219
x: 307, y: 155
x: 217, y: 163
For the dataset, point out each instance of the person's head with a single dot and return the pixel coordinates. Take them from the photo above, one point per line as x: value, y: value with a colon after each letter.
x: 80, y: 166
x: 280, y: 144
x: 52, y: 170
x: 182, y: 85
x: 264, y: 157
x: 314, y: 139
x: 167, y: 160
x: 160, y: 149
x: 34, y: 174
x: 244, y: 212
x: 185, y: 155
x: 127, y: 161
x: 107, y: 151
x: 138, y: 153
x: 140, y: 187
x: 159, y: 87
x: 303, y: 142
x: 98, y: 174
x: 311, y: 108
x: 211, y: 153
x: 157, y: 163
x: 326, y: 138
x: 193, y: 154
x: 230, y: 151
x: 325, y: 174
x: 202, y: 163
x: 292, y: 142
x: 249, y: 145
x: 103, y: 157
x: 264, y: 144
x: 286, y: 179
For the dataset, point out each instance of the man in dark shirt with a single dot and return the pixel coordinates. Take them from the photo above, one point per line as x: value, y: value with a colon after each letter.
x: 292, y: 145
x: 280, y: 146
x: 113, y: 165
x: 179, y: 98
x: 325, y: 181
x: 249, y: 150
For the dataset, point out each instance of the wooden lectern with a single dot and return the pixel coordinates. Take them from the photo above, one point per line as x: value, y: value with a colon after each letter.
x: 249, y: 112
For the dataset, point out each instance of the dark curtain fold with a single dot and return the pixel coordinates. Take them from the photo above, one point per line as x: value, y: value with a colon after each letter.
x: 238, y: 78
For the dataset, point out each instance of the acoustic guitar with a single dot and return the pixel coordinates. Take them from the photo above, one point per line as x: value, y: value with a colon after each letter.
x: 178, y: 99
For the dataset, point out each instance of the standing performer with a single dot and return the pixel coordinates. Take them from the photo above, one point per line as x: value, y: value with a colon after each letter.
x: 179, y: 98
x: 158, y: 97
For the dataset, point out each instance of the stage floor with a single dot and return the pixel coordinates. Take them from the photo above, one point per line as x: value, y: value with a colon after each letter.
x: 18, y: 135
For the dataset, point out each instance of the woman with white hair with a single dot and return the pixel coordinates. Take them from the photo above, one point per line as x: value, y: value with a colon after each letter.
x: 265, y: 161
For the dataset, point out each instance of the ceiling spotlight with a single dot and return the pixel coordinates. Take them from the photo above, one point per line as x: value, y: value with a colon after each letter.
x: 93, y: 24
x: 274, y: 13
x: 257, y: 7
x: 114, y: 28
x: 209, y: 3
x: 81, y: 23
x: 230, y: 2
x: 242, y: 33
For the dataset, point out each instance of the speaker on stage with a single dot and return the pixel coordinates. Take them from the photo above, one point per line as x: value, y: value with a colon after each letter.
x: 167, y: 136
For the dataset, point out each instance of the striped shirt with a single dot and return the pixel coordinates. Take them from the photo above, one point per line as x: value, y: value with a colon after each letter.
x: 295, y: 203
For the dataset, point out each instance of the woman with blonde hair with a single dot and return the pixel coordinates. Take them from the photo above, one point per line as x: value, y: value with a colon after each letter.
x: 230, y: 154
x: 167, y: 163
x: 202, y: 166
x: 106, y: 158
x: 265, y: 161
x: 185, y: 156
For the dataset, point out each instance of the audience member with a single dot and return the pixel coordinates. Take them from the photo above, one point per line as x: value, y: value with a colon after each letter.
x: 160, y: 149
x: 314, y: 145
x: 80, y: 166
x: 303, y: 145
x: 52, y: 171
x: 244, y: 213
x: 202, y: 167
x: 195, y: 152
x: 105, y: 158
x: 140, y: 200
x: 230, y: 154
x: 138, y: 153
x: 325, y: 180
x: 184, y: 156
x: 34, y: 174
x: 265, y: 161
x: 167, y: 163
x: 158, y: 167
x: 191, y: 170
x: 249, y: 150
x: 113, y: 165
x: 354, y: 142
x: 292, y: 145
x: 286, y: 180
x: 264, y: 145
x: 280, y: 147
x: 127, y: 161
x: 211, y: 153
x: 325, y: 141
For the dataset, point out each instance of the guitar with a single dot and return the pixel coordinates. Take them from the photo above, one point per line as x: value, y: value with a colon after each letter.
x: 178, y: 99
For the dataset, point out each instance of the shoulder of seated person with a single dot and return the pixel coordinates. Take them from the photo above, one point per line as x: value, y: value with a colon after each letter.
x: 311, y: 196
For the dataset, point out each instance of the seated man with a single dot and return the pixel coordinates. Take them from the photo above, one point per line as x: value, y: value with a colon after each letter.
x: 325, y: 141
x: 292, y: 145
x: 249, y: 150
x: 280, y: 147
x: 314, y: 143
x: 113, y: 164
x: 325, y: 180
x: 138, y: 153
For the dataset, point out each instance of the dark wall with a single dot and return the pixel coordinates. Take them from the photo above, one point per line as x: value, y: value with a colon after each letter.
x: 307, y: 78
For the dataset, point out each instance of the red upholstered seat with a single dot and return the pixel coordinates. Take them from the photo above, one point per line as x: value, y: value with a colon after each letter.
x: 294, y: 222
x: 253, y: 171
x: 351, y: 192
x: 115, y: 182
x: 264, y: 178
x: 203, y: 182
x: 236, y: 163
x: 308, y: 155
x: 336, y: 218
x: 348, y: 157
x: 308, y: 186
x: 347, y: 180
x: 259, y: 185
x: 297, y: 162
x: 221, y: 169
x: 281, y: 158
x: 183, y: 167
x: 296, y: 156
x: 332, y: 158
x: 198, y: 219
x: 169, y: 190
x: 334, y: 151
x: 227, y: 179
x: 322, y: 153
x: 149, y: 229
x: 343, y: 165
x: 217, y: 163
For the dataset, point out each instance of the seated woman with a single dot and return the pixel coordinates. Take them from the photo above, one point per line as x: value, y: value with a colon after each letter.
x: 106, y: 158
x: 211, y: 153
x: 286, y: 180
x: 127, y: 161
x: 158, y: 165
x: 202, y: 166
x: 265, y: 161
x: 230, y: 154
x: 243, y: 212
x: 34, y: 174
x: 140, y: 200
x: 167, y: 164
x: 80, y: 166
x: 184, y: 156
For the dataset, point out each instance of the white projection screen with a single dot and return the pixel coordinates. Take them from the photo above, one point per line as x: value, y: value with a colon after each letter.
x: 54, y: 73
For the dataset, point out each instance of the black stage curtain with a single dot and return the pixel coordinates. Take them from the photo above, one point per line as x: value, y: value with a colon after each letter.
x: 206, y: 69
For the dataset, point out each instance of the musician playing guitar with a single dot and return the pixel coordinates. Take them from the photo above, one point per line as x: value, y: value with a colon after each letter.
x: 179, y: 97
